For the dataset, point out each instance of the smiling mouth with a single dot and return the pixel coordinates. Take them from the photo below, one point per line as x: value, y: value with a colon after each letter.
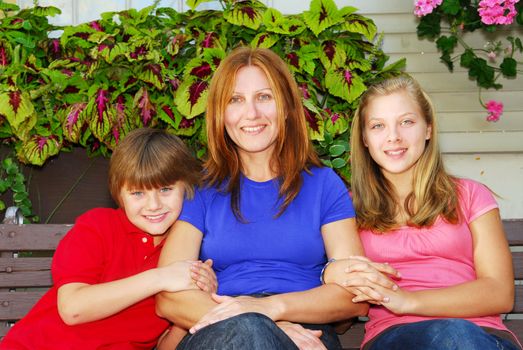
x: 253, y: 129
x: 155, y: 217
x: 396, y: 152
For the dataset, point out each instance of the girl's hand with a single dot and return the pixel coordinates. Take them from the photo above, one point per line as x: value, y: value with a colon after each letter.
x: 305, y: 339
x: 231, y: 306
x: 399, y: 301
x: 203, y: 275
x: 361, y: 277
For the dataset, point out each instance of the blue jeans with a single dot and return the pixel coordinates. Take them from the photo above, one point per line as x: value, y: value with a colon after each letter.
x: 441, y: 334
x: 251, y: 331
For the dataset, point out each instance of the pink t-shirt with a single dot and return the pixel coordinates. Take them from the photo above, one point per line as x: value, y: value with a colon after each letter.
x: 433, y: 257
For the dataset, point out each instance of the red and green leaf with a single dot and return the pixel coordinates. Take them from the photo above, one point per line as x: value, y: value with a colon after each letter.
x: 99, y: 114
x: 74, y: 121
x: 245, y: 13
x: 17, y: 108
x: 332, y: 55
x: 322, y: 15
x: 38, y: 149
x: 359, y: 24
x: 345, y: 84
x: 191, y: 97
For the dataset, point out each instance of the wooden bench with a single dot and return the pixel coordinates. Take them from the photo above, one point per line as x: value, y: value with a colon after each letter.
x: 25, y: 262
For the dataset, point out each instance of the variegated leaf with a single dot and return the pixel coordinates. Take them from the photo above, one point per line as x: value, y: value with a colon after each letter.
x: 332, y: 55
x: 38, y: 149
x: 275, y: 22
x: 17, y: 108
x: 322, y: 15
x: 314, y: 120
x: 264, y: 40
x: 143, y: 102
x: 188, y: 127
x: 345, y: 84
x: 359, y: 24
x: 73, y: 122
x: 194, y: 3
x: 336, y: 123
x: 99, y: 115
x: 152, y: 73
x: 245, y: 13
x: 191, y: 97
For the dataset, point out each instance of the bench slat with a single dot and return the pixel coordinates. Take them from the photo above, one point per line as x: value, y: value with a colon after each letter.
x: 26, y: 279
x: 514, y: 231
x: 31, y: 236
x: 13, y: 306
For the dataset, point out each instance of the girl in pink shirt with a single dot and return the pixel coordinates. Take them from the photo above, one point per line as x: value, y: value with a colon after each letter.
x: 443, y: 235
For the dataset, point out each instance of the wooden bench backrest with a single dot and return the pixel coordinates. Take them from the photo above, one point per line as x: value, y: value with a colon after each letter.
x: 24, y: 279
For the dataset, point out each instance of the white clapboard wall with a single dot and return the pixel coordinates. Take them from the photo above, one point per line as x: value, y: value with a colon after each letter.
x: 489, y: 152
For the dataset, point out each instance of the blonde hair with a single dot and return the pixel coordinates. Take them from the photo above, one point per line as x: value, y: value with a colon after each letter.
x: 151, y: 158
x: 293, y: 150
x: 434, y: 191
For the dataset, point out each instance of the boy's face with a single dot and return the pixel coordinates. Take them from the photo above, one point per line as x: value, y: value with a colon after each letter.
x: 153, y: 211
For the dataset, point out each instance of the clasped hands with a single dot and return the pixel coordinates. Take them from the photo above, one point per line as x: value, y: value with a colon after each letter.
x: 370, y: 282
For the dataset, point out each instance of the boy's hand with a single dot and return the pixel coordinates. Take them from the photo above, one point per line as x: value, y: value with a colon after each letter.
x: 203, y: 275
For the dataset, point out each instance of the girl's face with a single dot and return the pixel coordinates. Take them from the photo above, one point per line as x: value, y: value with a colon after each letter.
x: 153, y: 211
x: 251, y: 118
x: 395, y: 132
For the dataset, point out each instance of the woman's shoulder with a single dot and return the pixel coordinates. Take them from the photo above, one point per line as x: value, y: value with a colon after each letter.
x: 469, y: 185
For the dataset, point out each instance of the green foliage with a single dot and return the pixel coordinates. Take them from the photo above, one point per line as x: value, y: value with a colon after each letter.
x: 448, y: 25
x: 152, y: 67
x: 12, y: 180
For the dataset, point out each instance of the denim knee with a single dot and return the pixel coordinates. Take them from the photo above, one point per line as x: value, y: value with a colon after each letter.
x: 245, y: 331
x: 439, y: 334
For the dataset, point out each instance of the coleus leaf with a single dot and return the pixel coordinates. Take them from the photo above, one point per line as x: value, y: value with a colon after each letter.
x: 99, y: 114
x: 188, y: 127
x: 5, y: 54
x: 332, y: 55
x: 194, y: 3
x: 152, y: 73
x: 314, y: 120
x: 144, y: 104
x: 17, y: 108
x: 110, y: 53
x: 38, y: 149
x: 336, y: 123
x: 47, y: 11
x: 359, y: 24
x: 322, y: 15
x: 264, y: 40
x: 170, y: 115
x: 245, y: 13
x: 191, y: 97
x: 275, y: 22
x: 73, y: 122
x: 345, y: 84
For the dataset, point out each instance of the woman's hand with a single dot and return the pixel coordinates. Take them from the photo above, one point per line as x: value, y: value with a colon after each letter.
x: 361, y: 277
x: 305, y: 339
x: 203, y: 275
x: 231, y: 306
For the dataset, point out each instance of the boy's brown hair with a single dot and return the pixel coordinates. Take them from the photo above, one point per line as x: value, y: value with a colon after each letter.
x: 152, y: 158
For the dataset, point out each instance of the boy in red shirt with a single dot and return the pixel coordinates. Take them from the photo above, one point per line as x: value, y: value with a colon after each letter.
x: 105, y: 269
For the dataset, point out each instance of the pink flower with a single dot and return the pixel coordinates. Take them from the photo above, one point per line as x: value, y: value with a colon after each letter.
x: 491, y: 56
x: 495, y: 110
x: 497, y: 11
x: 424, y: 7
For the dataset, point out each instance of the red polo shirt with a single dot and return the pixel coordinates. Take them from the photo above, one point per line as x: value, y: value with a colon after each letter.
x: 102, y: 246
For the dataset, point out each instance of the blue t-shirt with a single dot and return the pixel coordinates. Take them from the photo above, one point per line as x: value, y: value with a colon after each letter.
x: 268, y: 254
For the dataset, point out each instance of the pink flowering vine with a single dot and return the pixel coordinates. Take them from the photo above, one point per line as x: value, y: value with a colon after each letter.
x: 497, y: 11
x: 424, y: 7
x: 495, y: 110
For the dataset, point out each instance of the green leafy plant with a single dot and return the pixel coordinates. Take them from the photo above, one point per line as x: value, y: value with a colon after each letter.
x: 12, y: 179
x: 447, y: 22
x: 152, y: 67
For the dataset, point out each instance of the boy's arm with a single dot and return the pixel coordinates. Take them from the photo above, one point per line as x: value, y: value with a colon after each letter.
x: 81, y: 302
x: 183, y: 308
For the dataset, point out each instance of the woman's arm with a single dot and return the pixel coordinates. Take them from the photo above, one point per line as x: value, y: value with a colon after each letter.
x: 323, y: 304
x: 183, y: 308
x: 81, y: 302
x: 491, y: 293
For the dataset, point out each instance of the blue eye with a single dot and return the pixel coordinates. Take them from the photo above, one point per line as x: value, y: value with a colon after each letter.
x: 407, y: 122
x: 265, y: 97
x: 165, y: 189
x: 376, y: 126
x: 136, y: 193
x: 235, y: 99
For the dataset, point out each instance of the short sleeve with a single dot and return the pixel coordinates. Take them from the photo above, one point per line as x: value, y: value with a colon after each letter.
x: 336, y: 201
x: 193, y: 210
x: 476, y: 199
x: 79, y: 256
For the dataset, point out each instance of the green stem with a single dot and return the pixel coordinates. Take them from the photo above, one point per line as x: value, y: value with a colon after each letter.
x: 69, y: 191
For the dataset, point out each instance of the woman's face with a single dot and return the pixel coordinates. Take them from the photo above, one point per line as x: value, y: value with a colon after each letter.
x: 395, y: 132
x: 251, y: 118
